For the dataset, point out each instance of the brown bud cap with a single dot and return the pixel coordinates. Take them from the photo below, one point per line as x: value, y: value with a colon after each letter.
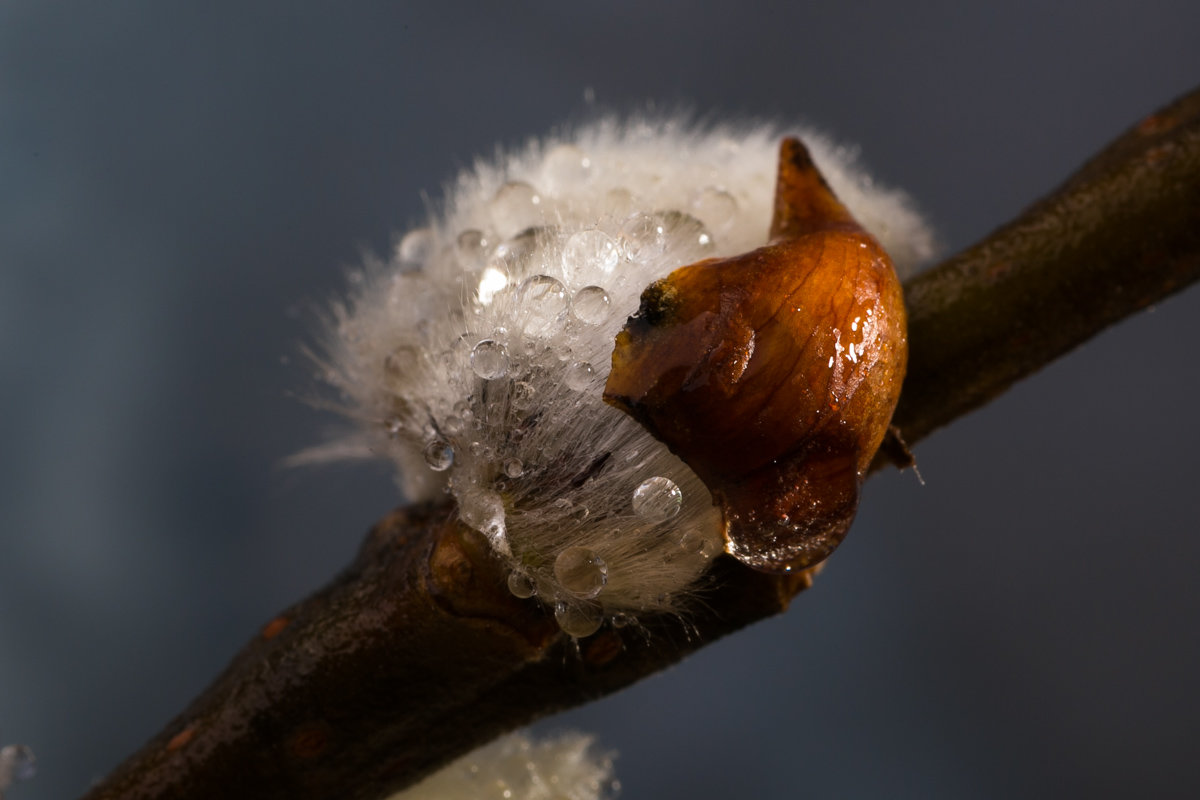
x: 774, y: 374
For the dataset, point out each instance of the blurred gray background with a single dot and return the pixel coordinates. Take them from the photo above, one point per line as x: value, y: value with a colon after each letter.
x: 178, y: 183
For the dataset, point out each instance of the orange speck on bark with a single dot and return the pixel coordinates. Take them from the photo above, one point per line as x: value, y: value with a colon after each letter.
x: 310, y: 740
x: 600, y: 650
x: 274, y: 627
x: 181, y: 738
x: 1156, y: 124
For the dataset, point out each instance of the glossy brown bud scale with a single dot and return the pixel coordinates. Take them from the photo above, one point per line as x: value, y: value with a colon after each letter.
x: 774, y: 374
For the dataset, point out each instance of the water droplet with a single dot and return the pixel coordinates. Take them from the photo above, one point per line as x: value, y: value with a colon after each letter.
x: 521, y: 585
x: 483, y: 510
x: 621, y: 619
x: 523, y: 394
x: 513, y: 468
x: 579, y: 376
x: 578, y: 620
x: 591, y: 305
x: 589, y: 254
x: 454, y: 425
x: 516, y: 253
x: 694, y: 543
x: 566, y: 167
x: 715, y: 208
x: 416, y: 248
x: 393, y: 425
x: 439, y: 455
x: 471, y: 249
x: 516, y: 206
x: 657, y: 499
x: 492, y: 280
x: 489, y: 359
x: 645, y: 237
x: 648, y: 236
x: 543, y: 301
x: 685, y: 232
x: 581, y: 572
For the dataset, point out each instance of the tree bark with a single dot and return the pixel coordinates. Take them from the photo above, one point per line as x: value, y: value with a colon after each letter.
x: 417, y: 652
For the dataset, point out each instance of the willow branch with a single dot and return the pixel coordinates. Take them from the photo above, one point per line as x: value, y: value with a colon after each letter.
x: 418, y: 653
x: 1120, y: 235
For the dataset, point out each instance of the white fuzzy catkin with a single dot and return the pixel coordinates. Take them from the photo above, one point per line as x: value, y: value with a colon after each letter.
x: 17, y: 763
x: 514, y: 767
x: 475, y: 357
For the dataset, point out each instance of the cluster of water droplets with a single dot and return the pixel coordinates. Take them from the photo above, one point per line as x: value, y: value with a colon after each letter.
x: 477, y: 354
x: 497, y: 387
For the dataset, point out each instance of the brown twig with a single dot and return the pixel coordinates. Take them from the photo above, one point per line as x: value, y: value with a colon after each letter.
x: 417, y: 652
x: 1120, y: 235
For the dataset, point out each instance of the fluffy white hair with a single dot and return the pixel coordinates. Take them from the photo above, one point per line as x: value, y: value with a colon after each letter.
x: 17, y: 763
x: 515, y: 767
x: 476, y: 355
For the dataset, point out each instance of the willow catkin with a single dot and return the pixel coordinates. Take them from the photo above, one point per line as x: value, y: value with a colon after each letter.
x: 476, y: 355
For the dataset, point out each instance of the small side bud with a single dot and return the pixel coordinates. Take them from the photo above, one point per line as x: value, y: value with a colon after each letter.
x: 774, y: 374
